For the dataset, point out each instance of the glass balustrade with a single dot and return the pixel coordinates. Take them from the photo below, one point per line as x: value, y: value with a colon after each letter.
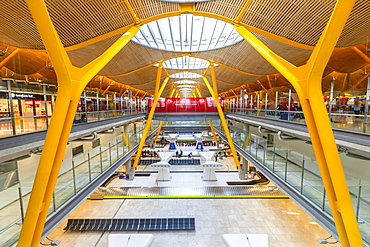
x: 75, y: 174
x: 302, y: 173
x: 340, y: 120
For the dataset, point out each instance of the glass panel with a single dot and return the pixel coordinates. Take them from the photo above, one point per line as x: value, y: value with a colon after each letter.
x: 82, y: 175
x: 11, y: 235
x: 95, y: 166
x: 10, y: 206
x: 64, y: 189
x: 113, y: 151
x: 364, y: 212
x: 280, y: 161
x: 105, y: 159
x: 294, y: 170
x: 313, y: 187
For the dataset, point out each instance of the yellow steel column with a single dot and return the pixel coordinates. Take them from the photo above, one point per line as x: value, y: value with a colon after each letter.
x: 213, y: 130
x: 10, y: 56
x: 149, y: 120
x: 172, y: 91
x: 71, y: 82
x: 199, y: 93
x: 223, y: 122
x: 159, y: 74
x: 213, y: 75
x: 306, y: 79
x: 159, y: 131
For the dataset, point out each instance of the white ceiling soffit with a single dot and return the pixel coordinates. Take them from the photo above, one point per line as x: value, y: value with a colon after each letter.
x: 185, y: 75
x: 187, y: 33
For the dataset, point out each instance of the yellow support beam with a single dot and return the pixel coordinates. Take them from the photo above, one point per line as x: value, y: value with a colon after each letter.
x: 172, y: 87
x: 223, y: 121
x: 213, y: 131
x: 132, y: 12
x: 10, y: 56
x: 307, y: 80
x: 159, y: 131
x: 149, y: 120
x: 71, y: 81
x: 198, y: 91
x: 125, y: 139
x: 158, y: 78
x: 172, y: 92
x: 241, y: 13
x: 213, y: 76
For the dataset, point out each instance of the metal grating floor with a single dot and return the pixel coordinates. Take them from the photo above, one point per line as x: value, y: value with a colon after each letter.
x: 191, y: 192
x: 132, y: 224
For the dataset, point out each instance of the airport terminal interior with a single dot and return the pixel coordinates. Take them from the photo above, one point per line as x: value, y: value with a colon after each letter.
x: 184, y: 123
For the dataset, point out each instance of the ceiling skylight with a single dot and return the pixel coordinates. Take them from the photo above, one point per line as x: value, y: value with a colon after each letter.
x: 185, y: 86
x: 187, y: 33
x: 185, y: 82
x: 186, y: 63
x: 185, y: 75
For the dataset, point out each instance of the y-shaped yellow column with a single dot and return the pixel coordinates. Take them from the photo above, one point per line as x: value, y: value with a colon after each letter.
x: 306, y: 79
x: 71, y: 82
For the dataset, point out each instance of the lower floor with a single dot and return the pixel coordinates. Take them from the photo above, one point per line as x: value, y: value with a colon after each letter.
x: 286, y: 224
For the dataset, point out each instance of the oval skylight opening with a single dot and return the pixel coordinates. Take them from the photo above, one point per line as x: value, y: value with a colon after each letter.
x: 185, y: 75
x: 186, y: 63
x: 186, y: 86
x: 187, y: 33
x: 185, y: 82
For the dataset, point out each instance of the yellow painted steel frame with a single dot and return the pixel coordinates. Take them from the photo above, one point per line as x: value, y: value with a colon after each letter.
x: 172, y: 92
x: 223, y: 121
x: 125, y: 139
x: 10, y: 56
x: 148, y: 121
x: 213, y: 130
x: 72, y: 81
x: 159, y: 130
x: 306, y: 80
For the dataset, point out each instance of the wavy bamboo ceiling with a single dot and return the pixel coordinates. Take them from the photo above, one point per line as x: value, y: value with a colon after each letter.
x: 289, y: 28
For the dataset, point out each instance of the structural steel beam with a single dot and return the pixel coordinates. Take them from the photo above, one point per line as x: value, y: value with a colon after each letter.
x: 159, y: 131
x: 306, y: 79
x: 213, y: 131
x: 223, y: 121
x: 158, y: 78
x: 72, y: 81
x: 10, y: 56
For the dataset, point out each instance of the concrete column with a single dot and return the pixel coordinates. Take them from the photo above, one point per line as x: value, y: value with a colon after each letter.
x: 246, y: 127
x: 244, y: 169
x: 129, y: 171
x: 127, y: 128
